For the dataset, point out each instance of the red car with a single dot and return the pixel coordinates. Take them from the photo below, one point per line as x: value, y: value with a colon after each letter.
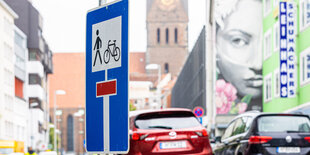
x: 167, y: 131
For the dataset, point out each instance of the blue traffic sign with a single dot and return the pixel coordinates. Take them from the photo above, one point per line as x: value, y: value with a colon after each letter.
x: 107, y: 79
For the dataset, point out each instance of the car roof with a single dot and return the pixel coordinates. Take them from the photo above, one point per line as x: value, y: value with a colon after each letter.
x: 258, y: 114
x: 138, y: 112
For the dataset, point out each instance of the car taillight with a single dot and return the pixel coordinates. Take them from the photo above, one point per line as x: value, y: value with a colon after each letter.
x: 138, y: 136
x: 259, y: 139
x: 307, y: 139
x: 135, y: 136
x: 202, y: 133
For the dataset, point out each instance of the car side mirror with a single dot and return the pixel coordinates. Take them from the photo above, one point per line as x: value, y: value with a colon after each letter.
x: 217, y: 139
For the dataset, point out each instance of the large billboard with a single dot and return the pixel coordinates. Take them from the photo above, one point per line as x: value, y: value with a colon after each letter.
x: 238, y: 44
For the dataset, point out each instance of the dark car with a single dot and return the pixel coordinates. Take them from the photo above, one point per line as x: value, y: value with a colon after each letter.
x: 167, y: 131
x: 265, y: 133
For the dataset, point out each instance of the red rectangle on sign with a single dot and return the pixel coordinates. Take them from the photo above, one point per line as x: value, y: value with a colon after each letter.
x: 106, y: 88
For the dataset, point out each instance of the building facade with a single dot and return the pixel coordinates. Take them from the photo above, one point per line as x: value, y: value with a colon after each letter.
x: 167, y: 34
x: 273, y: 49
x: 7, y: 124
x: 39, y: 66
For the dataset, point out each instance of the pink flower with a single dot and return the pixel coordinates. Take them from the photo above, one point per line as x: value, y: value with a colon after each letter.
x: 242, y: 107
x: 220, y: 85
x: 226, y: 93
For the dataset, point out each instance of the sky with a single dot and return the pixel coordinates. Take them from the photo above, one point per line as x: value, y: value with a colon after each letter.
x: 64, y: 23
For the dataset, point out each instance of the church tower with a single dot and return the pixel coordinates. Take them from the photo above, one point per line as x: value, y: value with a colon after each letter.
x: 167, y: 34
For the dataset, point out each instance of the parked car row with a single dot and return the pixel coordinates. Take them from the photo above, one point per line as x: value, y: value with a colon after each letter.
x: 177, y: 131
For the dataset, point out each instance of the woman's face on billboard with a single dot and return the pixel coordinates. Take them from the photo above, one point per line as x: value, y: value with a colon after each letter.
x: 239, y: 48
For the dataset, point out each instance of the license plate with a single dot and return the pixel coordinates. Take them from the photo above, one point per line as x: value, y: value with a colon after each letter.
x: 288, y: 149
x: 172, y: 145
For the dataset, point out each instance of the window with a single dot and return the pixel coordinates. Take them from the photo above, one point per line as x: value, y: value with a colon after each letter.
x: 175, y: 35
x: 267, y: 7
x: 8, y: 27
x: 228, y: 131
x: 8, y: 101
x: 297, y: 124
x: 8, y: 77
x: 19, y: 40
x: 305, y: 66
x: 35, y: 79
x: 276, y: 77
x: 34, y: 55
x: 20, y: 62
x: 8, y: 52
x: 40, y: 127
x: 9, y: 129
x: 267, y: 44
x: 276, y: 36
x: 19, y: 88
x: 158, y: 35
x: 167, y: 35
x: 267, y: 87
x: 304, y: 13
x: 175, y: 120
x: 70, y: 131
x: 166, y: 68
x: 248, y: 123
x: 239, y: 127
x: 35, y: 103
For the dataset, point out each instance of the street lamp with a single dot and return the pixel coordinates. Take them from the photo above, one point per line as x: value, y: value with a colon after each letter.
x: 154, y: 67
x: 57, y: 92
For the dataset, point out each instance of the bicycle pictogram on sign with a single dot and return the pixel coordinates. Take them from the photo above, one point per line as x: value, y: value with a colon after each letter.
x: 115, y: 53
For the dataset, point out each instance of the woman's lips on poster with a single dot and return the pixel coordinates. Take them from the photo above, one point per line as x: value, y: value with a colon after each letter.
x: 256, y: 81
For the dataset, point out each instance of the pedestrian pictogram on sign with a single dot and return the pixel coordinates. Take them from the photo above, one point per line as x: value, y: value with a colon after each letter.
x: 98, y: 45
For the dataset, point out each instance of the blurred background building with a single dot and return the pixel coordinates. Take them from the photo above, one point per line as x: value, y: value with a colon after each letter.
x: 69, y: 78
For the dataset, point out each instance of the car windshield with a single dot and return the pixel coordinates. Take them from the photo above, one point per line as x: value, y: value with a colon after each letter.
x: 167, y: 120
x: 283, y: 124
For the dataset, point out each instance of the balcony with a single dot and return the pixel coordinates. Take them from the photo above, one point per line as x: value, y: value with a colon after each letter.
x: 35, y: 67
x: 36, y: 91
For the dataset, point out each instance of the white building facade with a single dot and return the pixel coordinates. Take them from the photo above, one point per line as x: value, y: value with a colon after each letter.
x: 7, y: 60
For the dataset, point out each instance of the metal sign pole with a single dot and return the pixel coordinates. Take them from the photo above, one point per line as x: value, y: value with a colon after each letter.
x: 106, y: 118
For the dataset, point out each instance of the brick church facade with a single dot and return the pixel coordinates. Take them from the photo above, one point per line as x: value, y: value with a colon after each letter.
x: 167, y: 34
